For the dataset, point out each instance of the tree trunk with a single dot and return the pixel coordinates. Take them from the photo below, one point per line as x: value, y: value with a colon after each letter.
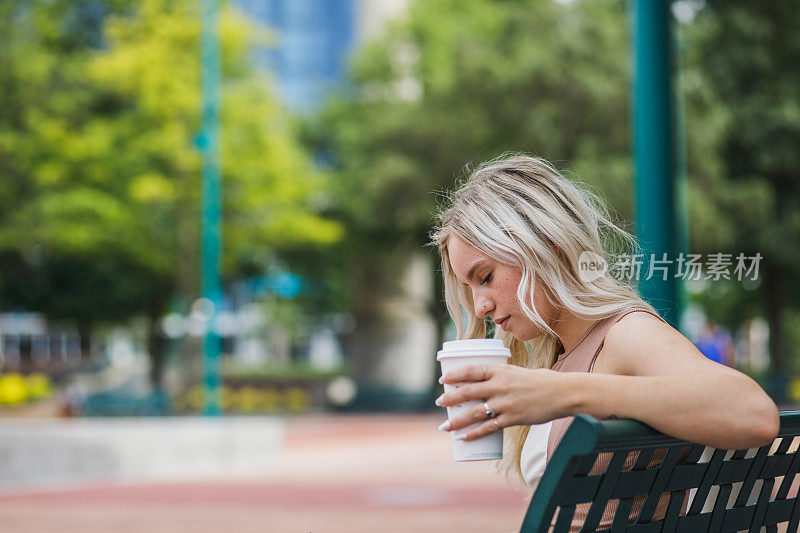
x: 187, y: 271
x: 156, y: 350
x: 775, y: 304
x: 395, y: 337
x: 85, y: 335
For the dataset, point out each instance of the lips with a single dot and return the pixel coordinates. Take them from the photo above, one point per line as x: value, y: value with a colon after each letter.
x: 503, y: 323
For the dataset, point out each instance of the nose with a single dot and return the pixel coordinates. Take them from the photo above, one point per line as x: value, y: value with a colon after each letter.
x: 483, y: 305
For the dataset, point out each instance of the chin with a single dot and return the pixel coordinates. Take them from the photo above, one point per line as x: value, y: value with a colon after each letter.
x: 526, y: 336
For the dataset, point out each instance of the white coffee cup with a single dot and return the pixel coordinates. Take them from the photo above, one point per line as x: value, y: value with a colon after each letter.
x: 455, y: 354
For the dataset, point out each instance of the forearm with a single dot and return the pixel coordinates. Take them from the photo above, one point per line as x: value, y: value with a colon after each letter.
x: 718, y: 409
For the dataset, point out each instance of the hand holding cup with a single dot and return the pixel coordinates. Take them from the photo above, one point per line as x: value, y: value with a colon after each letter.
x: 482, y: 354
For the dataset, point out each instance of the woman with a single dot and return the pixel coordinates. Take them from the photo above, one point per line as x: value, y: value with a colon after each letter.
x: 510, y: 245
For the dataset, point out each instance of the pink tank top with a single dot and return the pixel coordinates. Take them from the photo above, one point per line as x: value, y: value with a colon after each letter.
x: 582, y: 359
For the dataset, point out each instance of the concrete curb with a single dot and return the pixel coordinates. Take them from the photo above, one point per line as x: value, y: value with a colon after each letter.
x: 48, y: 453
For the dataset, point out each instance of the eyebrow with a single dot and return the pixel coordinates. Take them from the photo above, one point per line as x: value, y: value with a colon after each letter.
x: 472, y: 270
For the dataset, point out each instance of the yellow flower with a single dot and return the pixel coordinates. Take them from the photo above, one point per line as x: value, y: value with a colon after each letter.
x: 13, y: 389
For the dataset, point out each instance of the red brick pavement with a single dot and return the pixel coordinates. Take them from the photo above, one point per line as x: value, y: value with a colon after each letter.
x: 336, y: 474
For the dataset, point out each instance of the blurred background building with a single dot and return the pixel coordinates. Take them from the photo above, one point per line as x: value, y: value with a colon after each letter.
x: 314, y: 42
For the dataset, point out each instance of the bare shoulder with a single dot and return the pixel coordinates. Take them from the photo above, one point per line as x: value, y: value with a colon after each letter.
x: 637, y: 327
x: 641, y: 344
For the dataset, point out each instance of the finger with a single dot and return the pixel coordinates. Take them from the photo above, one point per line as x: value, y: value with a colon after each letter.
x: 465, y: 393
x: 470, y: 416
x: 469, y: 373
x: 493, y: 425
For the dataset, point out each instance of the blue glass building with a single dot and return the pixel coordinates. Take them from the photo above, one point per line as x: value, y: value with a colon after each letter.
x: 313, y: 41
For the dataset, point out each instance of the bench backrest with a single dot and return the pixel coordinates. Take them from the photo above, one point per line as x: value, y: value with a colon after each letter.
x: 734, y: 490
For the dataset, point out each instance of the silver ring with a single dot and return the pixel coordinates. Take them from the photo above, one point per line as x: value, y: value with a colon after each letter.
x: 489, y: 411
x: 483, y: 378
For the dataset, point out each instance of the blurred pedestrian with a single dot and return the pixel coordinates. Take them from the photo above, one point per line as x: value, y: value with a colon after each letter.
x: 716, y: 344
x: 70, y: 401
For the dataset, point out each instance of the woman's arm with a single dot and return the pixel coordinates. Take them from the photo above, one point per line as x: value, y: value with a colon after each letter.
x: 650, y: 373
x: 717, y: 409
x: 657, y: 376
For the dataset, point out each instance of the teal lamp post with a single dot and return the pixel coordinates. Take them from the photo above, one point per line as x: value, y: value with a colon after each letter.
x: 209, y: 144
x: 654, y: 153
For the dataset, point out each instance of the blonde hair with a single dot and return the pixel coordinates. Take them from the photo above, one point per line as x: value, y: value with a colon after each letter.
x: 520, y: 211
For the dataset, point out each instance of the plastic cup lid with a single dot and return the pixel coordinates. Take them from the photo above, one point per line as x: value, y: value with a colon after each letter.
x: 473, y: 348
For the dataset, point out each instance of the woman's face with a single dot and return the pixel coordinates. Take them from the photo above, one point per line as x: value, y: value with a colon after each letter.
x: 494, y: 290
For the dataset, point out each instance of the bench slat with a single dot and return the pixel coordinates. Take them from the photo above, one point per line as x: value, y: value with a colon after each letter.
x: 609, y: 480
x: 626, y: 466
x: 659, y: 484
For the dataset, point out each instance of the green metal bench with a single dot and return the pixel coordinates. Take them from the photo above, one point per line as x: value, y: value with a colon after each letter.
x: 763, y: 477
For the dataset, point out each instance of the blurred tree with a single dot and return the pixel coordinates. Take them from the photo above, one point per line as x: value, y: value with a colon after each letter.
x: 45, y: 47
x: 743, y: 76
x: 101, y: 209
x: 461, y: 81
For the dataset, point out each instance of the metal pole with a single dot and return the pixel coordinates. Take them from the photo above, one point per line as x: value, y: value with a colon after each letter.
x: 654, y: 150
x: 211, y: 199
x: 682, y: 176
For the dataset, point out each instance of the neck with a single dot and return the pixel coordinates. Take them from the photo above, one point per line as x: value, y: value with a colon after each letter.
x: 571, y: 330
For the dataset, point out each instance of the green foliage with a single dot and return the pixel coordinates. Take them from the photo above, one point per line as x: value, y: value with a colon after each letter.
x: 459, y: 82
x: 751, y: 63
x: 99, y: 173
x: 744, y: 126
x: 743, y: 121
x: 467, y: 81
x: 267, y: 179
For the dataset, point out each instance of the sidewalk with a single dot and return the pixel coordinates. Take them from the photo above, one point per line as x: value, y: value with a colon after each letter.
x: 334, y: 474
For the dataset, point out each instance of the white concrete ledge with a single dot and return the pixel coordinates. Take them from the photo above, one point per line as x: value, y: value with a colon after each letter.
x: 45, y: 453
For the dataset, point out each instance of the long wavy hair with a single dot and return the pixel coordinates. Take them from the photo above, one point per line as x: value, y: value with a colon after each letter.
x: 520, y: 211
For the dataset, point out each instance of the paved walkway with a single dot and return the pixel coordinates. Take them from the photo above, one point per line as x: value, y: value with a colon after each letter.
x: 336, y: 474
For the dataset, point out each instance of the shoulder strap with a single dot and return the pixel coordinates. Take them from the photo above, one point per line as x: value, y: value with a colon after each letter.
x: 614, y: 320
x: 581, y: 356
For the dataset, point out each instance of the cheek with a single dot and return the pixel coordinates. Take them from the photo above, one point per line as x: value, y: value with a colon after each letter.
x: 539, y: 298
x: 540, y: 301
x: 510, y: 287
